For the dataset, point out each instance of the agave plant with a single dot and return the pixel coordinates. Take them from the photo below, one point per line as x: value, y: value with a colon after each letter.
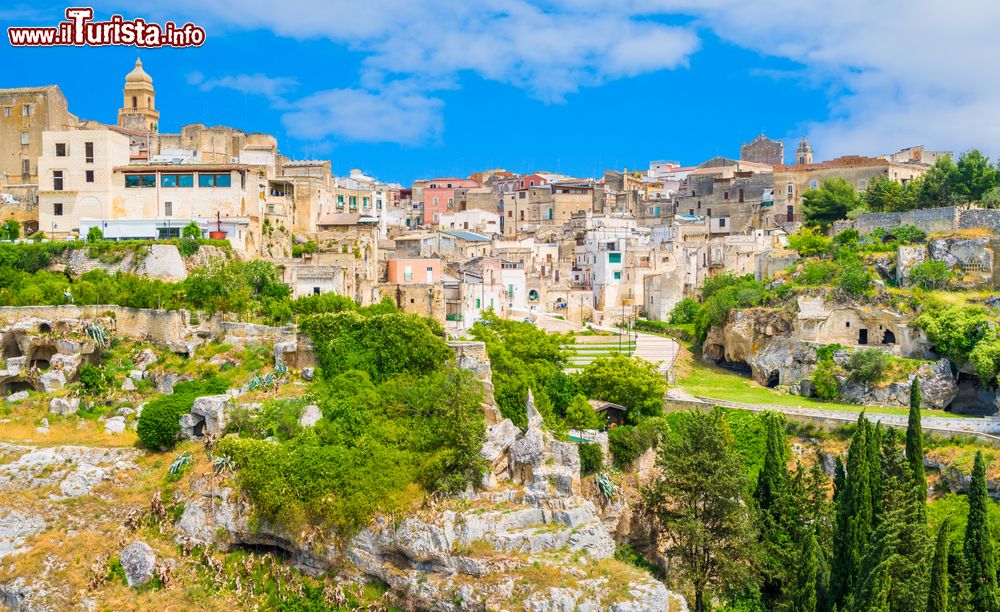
x: 605, y: 486
x: 99, y: 335
x: 179, y: 463
x: 223, y: 463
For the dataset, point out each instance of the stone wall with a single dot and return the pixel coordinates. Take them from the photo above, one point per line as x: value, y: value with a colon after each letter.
x: 930, y: 220
x: 980, y: 217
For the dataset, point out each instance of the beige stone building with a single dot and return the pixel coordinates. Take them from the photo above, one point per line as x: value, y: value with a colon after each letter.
x: 25, y: 113
x: 790, y: 182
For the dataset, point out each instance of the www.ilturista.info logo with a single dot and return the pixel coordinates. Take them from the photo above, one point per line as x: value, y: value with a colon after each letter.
x: 81, y: 30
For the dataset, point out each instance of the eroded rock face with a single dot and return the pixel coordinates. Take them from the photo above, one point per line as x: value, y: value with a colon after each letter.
x: 15, y: 528
x: 64, y: 405
x: 74, y: 470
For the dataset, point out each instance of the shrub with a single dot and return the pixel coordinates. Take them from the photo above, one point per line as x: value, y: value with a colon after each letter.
x: 93, y: 378
x: 868, y: 365
x: 629, y: 382
x: 848, y: 238
x: 191, y: 230
x: 628, y: 442
x: 684, y: 312
x: 581, y: 415
x: 187, y: 246
x: 94, y: 234
x: 159, y: 422
x: 11, y: 230
x: 824, y: 383
x: 985, y: 356
x: 808, y: 242
x: 723, y: 293
x: 818, y: 273
x: 591, y: 459
x: 854, y: 279
x: 931, y: 274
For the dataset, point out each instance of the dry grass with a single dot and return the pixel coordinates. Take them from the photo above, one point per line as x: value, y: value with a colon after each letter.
x: 67, y: 433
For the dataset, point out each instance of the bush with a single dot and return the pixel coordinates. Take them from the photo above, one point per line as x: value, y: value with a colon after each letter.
x: 868, y: 365
x: 628, y: 442
x: 808, y: 242
x: 854, y: 279
x: 824, y: 383
x: 94, y: 234
x: 931, y: 274
x: 818, y: 273
x: 11, y: 230
x: 93, y: 378
x: 848, y: 238
x: 581, y: 415
x: 591, y: 459
x: 191, y: 230
x: 684, y: 312
x: 159, y: 422
x: 723, y: 293
x: 629, y: 382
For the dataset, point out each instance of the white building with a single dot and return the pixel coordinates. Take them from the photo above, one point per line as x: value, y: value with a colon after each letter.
x: 475, y: 220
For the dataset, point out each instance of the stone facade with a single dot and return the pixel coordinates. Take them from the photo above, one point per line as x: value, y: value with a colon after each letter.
x: 763, y: 150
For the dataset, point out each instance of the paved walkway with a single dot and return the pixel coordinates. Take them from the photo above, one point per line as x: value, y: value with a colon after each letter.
x: 985, y: 428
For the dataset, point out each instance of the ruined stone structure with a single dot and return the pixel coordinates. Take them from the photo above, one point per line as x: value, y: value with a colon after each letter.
x: 763, y: 150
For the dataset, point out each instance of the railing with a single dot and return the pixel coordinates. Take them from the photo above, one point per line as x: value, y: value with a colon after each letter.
x: 786, y: 218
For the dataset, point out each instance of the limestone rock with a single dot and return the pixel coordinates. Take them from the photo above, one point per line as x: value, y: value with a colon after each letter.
x: 310, y: 415
x: 17, y: 397
x: 15, y: 528
x: 145, y: 359
x: 908, y: 256
x: 308, y: 374
x: 499, y: 438
x: 138, y: 560
x: 128, y: 385
x: 64, y: 405
x: 82, y: 480
x: 15, y: 365
x: 189, y: 423
x: 163, y: 262
x: 53, y: 380
x: 212, y: 408
x: 115, y: 425
x: 937, y: 385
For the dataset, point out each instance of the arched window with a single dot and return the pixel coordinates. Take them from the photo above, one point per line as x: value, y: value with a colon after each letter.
x: 135, y: 102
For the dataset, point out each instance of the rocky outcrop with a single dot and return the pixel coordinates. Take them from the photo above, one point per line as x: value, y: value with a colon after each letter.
x: 937, y: 388
x: 72, y: 470
x: 483, y: 551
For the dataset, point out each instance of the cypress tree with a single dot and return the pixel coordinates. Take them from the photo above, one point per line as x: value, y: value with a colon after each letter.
x: 807, y: 572
x: 773, y: 477
x: 874, y: 464
x: 979, y: 556
x: 958, y: 577
x: 854, y: 514
x: 915, y: 443
x: 937, y: 597
x: 779, y: 501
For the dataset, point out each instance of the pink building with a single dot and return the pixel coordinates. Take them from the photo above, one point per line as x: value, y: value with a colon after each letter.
x: 414, y: 271
x: 439, y: 197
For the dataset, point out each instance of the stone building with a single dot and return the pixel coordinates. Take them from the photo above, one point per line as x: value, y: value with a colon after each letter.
x: 790, y: 182
x: 138, y: 111
x: 735, y: 196
x: 763, y: 150
x: 25, y: 113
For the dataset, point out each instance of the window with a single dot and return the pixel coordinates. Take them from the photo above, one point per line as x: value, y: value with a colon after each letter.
x: 60, y: 149
x: 88, y: 152
x: 140, y: 180
x: 691, y: 211
x: 57, y: 180
x: 435, y: 201
x: 790, y: 190
x: 26, y: 110
x: 315, y: 290
x: 708, y: 212
x: 7, y: 111
x: 614, y: 257
x: 478, y: 304
x: 168, y: 209
x: 214, y: 180
x: 135, y: 102
x: 176, y: 180
x: 353, y: 201
x: 618, y: 275
x: 407, y: 273
x: 26, y: 167
x: 430, y: 275
x: 449, y: 185
x: 725, y: 195
x: 364, y: 202
x: 522, y: 194
x: 722, y: 222
x: 90, y: 176
x: 25, y: 138
x: 813, y: 184
x: 741, y: 195
x: 340, y: 201
x: 57, y: 209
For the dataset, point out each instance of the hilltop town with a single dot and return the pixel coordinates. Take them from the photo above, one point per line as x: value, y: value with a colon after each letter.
x: 234, y: 380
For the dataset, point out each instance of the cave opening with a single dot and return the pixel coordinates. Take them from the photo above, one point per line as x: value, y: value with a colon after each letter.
x: 10, y: 347
x: 888, y: 337
x: 972, y: 397
x: 41, y: 357
x: 15, y: 386
x: 773, y: 379
x: 739, y: 367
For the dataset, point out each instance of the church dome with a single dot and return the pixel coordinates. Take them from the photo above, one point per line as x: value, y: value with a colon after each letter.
x: 138, y: 75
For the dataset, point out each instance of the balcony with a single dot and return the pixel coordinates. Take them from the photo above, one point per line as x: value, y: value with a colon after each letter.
x: 786, y: 219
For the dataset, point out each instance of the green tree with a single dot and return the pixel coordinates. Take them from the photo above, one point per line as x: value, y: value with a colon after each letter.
x: 867, y: 365
x: 697, y: 500
x: 974, y: 176
x: 626, y: 381
x: 855, y: 278
x: 808, y: 242
x: 931, y: 274
x: 936, y: 186
x: 684, y: 312
x: 806, y: 571
x: 11, y: 230
x: 915, y: 445
x: 831, y: 202
x: 778, y: 500
x: 853, y: 526
x: 979, y: 555
x: 581, y: 415
x: 191, y: 230
x: 937, y: 597
x: 824, y: 383
x: 94, y: 234
x: 885, y: 194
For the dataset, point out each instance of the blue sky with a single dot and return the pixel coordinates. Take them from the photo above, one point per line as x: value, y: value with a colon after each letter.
x: 406, y: 89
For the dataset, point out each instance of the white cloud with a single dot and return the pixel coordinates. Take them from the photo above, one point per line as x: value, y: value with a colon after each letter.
x: 272, y: 88
x: 396, y: 115
x: 899, y: 72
